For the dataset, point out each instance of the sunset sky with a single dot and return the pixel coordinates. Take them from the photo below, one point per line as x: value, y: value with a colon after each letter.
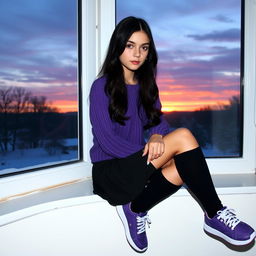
x: 38, y: 48
x: 197, y: 41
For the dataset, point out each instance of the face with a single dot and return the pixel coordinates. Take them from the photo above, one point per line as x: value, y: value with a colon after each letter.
x: 135, y: 52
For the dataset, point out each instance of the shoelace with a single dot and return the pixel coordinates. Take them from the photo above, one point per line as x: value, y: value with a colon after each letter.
x: 141, y: 223
x: 228, y: 217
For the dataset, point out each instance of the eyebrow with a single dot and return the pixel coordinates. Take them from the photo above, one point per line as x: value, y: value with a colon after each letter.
x: 135, y: 43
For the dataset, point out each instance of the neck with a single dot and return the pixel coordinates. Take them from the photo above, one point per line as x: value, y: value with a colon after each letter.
x: 129, y: 77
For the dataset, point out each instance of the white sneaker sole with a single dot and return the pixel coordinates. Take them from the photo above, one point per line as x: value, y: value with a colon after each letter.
x: 226, y: 238
x: 122, y: 216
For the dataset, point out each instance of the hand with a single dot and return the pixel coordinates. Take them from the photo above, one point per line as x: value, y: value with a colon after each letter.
x: 154, y: 148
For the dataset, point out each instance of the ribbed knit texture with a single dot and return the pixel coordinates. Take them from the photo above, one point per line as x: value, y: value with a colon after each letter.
x: 110, y: 139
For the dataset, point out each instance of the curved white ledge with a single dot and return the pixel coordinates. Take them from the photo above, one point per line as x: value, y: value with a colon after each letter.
x: 81, y: 193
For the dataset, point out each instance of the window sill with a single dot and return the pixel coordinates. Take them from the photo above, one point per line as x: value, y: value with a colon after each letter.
x: 81, y: 193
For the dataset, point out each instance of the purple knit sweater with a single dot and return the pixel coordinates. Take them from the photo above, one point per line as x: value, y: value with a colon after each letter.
x: 110, y: 139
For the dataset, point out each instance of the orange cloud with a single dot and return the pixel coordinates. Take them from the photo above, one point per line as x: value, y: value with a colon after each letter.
x: 194, y: 100
x: 66, y: 105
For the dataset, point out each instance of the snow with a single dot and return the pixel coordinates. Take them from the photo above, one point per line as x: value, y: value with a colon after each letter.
x: 25, y: 159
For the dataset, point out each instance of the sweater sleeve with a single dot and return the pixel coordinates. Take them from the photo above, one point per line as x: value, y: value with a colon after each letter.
x: 102, y: 125
x: 163, y: 127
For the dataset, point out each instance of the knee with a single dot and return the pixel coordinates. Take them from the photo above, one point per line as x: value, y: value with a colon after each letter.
x: 180, y: 140
x: 184, y: 132
x: 185, y: 135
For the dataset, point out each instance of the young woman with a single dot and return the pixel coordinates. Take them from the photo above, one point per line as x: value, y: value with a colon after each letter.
x: 135, y: 175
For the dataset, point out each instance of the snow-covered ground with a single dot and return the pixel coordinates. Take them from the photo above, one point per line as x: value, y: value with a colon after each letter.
x: 23, y: 159
x: 215, y: 152
x: 35, y: 158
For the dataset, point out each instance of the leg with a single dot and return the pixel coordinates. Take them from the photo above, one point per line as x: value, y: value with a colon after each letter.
x: 188, y: 165
x: 192, y: 168
x: 157, y: 189
x: 183, y: 161
x: 176, y: 142
x: 134, y: 214
x: 195, y: 174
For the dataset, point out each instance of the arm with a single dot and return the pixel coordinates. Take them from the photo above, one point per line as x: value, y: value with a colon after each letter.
x: 102, y: 125
x: 155, y: 145
x: 163, y: 127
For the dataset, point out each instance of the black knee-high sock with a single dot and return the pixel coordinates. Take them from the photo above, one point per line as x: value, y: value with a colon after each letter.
x: 193, y: 170
x: 157, y: 189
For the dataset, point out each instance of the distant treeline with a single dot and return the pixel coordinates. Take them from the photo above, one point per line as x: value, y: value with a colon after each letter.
x: 28, y: 121
x: 19, y: 100
x: 33, y: 130
x: 221, y: 128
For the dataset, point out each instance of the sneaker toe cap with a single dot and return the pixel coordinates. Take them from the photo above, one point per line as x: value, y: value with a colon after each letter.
x: 141, y: 243
x: 244, y: 231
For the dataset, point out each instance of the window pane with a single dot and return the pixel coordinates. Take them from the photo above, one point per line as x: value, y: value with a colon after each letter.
x: 39, y: 84
x: 199, y: 68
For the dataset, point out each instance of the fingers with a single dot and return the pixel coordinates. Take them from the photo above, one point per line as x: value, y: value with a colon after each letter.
x: 145, y: 151
x: 155, y: 150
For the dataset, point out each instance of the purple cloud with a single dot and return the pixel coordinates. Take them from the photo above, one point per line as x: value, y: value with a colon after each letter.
x: 211, y: 74
x: 38, y: 42
x: 229, y: 35
x: 222, y: 18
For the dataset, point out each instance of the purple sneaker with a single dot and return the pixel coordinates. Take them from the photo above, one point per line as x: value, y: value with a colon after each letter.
x: 134, y: 225
x: 226, y: 225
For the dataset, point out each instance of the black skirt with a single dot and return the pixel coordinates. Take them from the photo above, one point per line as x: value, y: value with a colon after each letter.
x: 119, y: 181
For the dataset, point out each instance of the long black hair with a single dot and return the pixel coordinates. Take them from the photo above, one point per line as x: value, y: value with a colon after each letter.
x: 115, y: 86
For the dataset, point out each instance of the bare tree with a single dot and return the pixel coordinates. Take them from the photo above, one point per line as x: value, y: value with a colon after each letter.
x: 40, y: 105
x: 15, y: 101
x: 6, y: 99
x: 21, y: 100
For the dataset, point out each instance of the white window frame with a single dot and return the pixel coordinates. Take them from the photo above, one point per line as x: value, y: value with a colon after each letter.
x: 26, y: 183
x: 98, y: 22
x: 245, y: 164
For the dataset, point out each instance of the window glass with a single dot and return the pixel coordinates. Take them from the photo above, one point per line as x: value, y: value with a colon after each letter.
x: 199, y: 68
x: 39, y: 84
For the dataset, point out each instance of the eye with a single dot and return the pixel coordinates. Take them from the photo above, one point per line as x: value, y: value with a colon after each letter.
x: 145, y: 48
x: 129, y: 46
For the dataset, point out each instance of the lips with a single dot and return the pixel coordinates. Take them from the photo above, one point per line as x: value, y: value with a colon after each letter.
x: 134, y: 62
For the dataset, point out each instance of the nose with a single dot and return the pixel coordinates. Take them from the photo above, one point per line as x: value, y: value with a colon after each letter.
x: 137, y: 52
